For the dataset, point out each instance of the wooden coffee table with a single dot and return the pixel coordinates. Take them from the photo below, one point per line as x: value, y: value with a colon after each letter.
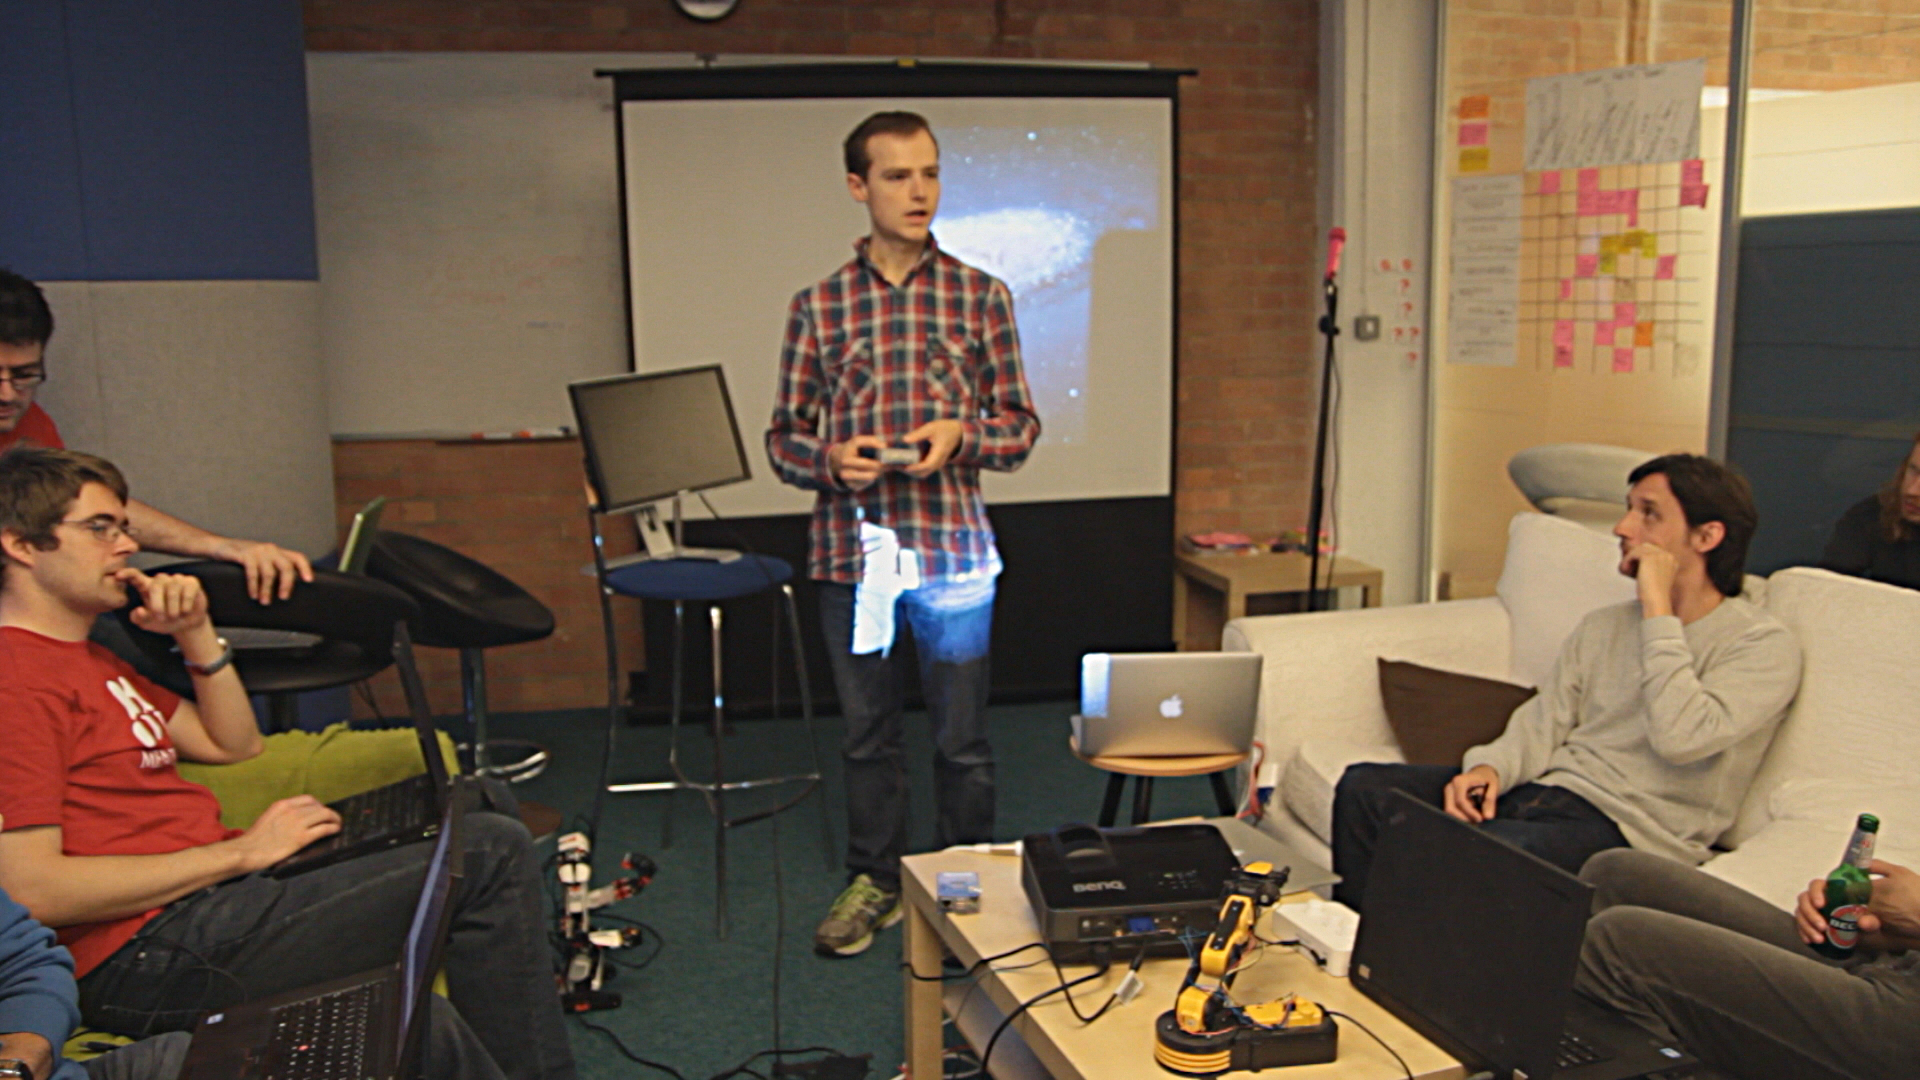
x: 1209, y: 591
x: 1051, y: 1041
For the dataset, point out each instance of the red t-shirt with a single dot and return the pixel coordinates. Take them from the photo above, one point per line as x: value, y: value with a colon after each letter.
x: 35, y: 429
x: 84, y: 746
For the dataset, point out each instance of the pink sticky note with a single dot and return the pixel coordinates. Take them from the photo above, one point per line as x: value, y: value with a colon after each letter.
x: 1563, y: 333
x: 1693, y: 195
x: 1630, y: 205
x: 1588, y: 181
x: 1603, y: 333
x: 1692, y: 171
x: 1563, y: 356
x: 1623, y: 361
x: 1587, y: 204
x: 1550, y: 182
x: 1585, y: 265
x: 1624, y: 314
x: 1474, y: 134
x: 1663, y: 268
x: 1566, y: 288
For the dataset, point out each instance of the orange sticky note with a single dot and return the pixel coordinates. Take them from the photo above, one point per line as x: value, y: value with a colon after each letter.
x: 1643, y: 334
x: 1476, y: 106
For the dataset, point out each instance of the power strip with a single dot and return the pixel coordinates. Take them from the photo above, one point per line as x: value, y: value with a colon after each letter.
x: 1324, y: 929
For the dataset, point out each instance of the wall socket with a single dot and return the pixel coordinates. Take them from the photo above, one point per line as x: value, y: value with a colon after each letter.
x: 1366, y: 328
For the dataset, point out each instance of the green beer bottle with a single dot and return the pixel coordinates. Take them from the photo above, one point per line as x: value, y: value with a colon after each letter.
x: 1848, y: 889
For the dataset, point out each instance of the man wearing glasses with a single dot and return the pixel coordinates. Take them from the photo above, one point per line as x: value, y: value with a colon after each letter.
x: 26, y: 325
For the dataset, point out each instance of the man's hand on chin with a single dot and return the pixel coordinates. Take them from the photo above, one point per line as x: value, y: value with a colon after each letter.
x: 1654, y: 570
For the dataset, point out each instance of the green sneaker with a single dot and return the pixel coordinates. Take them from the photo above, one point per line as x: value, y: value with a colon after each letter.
x: 861, y: 910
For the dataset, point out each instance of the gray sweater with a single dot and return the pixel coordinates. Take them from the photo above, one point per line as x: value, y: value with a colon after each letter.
x: 1661, y: 726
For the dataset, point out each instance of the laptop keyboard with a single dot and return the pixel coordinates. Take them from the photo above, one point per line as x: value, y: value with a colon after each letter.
x: 324, y: 1038
x: 1575, y: 1051
x: 383, y: 810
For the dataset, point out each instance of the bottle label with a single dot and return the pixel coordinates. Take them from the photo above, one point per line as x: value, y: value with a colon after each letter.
x: 1843, y: 926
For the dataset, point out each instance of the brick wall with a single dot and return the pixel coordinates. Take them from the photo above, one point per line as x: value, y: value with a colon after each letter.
x: 1247, y: 254
x: 519, y: 508
x: 1798, y: 44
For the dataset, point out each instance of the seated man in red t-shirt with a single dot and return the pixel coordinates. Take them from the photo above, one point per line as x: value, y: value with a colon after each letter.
x: 166, y: 913
x: 26, y: 325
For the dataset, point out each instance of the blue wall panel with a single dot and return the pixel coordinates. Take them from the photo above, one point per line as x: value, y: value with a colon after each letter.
x: 190, y: 118
x: 42, y: 231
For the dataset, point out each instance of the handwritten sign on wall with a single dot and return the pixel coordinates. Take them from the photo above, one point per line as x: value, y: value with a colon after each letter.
x: 1633, y: 115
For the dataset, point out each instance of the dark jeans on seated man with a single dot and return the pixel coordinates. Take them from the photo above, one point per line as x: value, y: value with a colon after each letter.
x: 1551, y: 822
x: 258, y: 935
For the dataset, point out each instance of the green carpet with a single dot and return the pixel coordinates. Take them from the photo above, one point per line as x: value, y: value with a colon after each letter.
x: 703, y: 1005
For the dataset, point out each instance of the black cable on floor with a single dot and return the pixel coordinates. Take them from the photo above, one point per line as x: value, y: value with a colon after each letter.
x: 629, y: 1054
x: 1065, y: 987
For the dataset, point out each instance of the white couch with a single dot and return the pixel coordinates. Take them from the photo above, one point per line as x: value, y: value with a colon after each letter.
x: 1850, y: 743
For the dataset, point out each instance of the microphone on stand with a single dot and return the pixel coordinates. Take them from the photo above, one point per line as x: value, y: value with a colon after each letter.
x: 1336, y: 240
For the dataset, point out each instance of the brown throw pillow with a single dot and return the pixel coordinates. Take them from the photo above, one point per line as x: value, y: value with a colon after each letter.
x: 1437, y: 716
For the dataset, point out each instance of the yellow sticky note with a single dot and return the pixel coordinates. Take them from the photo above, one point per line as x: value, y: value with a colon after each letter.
x: 1649, y: 246
x: 1609, y: 247
x: 1609, y: 262
x: 1474, y: 159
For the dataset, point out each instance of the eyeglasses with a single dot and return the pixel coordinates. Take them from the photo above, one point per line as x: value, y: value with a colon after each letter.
x: 107, y: 530
x: 25, y: 376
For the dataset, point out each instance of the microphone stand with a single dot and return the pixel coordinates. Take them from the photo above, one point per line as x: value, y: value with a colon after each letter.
x: 1316, y: 506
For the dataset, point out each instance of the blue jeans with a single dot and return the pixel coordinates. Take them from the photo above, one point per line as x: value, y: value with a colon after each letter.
x: 1548, y: 821
x: 257, y: 936
x: 950, y: 624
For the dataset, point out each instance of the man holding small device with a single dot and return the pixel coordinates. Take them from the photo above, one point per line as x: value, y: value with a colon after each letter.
x: 900, y: 379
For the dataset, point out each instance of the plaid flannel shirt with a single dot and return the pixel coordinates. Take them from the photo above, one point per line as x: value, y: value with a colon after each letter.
x: 865, y: 357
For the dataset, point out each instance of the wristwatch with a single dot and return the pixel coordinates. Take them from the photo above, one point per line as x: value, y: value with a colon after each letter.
x: 218, y: 662
x: 12, y: 1067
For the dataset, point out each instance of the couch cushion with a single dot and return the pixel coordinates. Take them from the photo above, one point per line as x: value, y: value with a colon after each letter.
x: 1437, y: 716
x: 1555, y: 572
x: 1308, y: 780
x: 1809, y: 823
x: 1855, y: 718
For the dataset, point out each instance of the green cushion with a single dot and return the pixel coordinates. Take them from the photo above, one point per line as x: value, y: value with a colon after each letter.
x: 329, y: 765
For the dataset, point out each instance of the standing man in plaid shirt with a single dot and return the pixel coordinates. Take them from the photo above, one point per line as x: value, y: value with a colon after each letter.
x: 903, y: 348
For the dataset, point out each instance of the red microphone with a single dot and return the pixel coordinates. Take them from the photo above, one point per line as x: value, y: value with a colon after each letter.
x: 1336, y: 239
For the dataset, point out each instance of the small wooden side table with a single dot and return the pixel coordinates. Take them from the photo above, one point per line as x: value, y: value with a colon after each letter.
x: 1211, y: 590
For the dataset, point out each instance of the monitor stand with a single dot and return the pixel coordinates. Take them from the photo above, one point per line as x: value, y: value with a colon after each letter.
x: 664, y: 542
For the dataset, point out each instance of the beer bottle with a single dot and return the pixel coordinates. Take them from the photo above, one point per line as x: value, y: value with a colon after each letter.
x: 1848, y: 889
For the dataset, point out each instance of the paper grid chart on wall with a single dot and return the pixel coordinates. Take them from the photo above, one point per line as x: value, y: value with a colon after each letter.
x: 1593, y: 257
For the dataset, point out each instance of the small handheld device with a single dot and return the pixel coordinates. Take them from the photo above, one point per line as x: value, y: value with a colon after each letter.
x: 959, y: 891
x: 892, y: 455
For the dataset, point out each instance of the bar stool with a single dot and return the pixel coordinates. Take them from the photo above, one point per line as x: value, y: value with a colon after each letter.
x: 467, y: 606
x: 702, y: 581
x: 1145, y: 769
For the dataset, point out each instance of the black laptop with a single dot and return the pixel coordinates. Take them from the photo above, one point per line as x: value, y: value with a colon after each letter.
x: 370, y: 1026
x: 399, y: 813
x: 1474, y: 944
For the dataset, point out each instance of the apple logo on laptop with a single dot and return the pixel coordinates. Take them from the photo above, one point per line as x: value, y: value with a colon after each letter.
x: 1171, y: 707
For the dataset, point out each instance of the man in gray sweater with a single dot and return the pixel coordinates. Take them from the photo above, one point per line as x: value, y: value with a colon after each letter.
x: 1655, y: 716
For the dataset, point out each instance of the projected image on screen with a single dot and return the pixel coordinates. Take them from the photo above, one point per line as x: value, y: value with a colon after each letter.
x: 733, y: 206
x: 1030, y: 206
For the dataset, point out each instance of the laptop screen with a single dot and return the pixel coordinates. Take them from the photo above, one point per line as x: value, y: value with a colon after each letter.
x: 1469, y: 940
x: 429, y: 922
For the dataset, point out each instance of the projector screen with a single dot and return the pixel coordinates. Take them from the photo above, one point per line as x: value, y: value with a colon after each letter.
x: 734, y: 205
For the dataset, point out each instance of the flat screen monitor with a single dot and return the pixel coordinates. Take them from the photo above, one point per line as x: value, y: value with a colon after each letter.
x: 651, y: 435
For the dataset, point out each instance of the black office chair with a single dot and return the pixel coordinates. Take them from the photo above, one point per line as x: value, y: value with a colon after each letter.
x: 336, y: 630
x: 467, y: 606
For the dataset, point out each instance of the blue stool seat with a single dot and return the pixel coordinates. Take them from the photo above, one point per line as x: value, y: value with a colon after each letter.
x: 699, y: 580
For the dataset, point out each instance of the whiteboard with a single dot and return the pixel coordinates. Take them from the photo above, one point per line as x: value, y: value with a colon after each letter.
x: 468, y: 222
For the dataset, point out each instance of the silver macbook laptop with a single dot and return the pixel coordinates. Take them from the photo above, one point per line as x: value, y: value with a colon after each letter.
x: 1167, y: 704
